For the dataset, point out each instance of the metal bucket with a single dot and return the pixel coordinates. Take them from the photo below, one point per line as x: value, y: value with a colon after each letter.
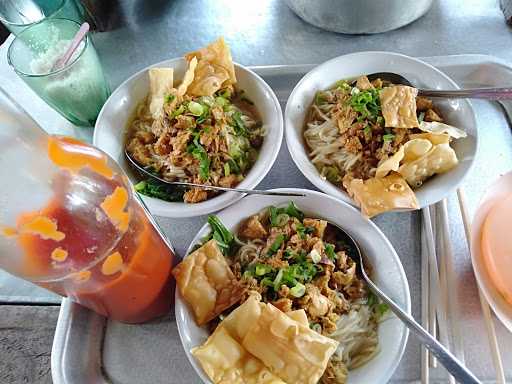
x: 359, y: 16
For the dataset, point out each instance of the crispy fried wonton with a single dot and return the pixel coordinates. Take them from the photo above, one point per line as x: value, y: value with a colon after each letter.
x: 292, y: 351
x: 398, y: 105
x: 378, y: 195
x: 214, y: 70
x: 160, y: 84
x: 207, y: 283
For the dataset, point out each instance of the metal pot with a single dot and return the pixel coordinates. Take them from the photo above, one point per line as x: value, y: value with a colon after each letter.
x: 359, y: 16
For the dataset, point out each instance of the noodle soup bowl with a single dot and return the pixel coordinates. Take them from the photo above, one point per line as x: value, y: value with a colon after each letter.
x: 116, y: 115
x: 458, y: 113
x: 388, y: 274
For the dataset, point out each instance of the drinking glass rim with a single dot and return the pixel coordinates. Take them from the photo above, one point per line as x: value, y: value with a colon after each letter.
x: 66, y: 67
x: 5, y: 21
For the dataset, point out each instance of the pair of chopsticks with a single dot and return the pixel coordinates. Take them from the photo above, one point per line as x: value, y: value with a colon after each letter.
x: 440, y: 309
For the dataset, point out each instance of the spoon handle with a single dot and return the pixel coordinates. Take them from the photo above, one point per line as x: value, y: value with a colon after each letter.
x: 450, y: 362
x: 476, y: 93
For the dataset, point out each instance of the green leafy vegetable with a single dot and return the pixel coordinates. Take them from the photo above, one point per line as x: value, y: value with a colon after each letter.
x: 223, y: 236
x: 293, y: 211
x: 320, y: 98
x: 276, y: 244
x: 154, y: 188
x: 239, y: 124
x: 367, y: 130
x: 197, y: 150
x: 329, y: 251
x: 332, y: 174
x: 303, y: 230
x: 388, y: 137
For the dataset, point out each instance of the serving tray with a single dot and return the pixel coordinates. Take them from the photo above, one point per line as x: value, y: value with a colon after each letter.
x: 90, y: 349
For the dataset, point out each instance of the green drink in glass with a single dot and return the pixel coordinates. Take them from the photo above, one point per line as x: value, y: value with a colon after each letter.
x: 78, y: 90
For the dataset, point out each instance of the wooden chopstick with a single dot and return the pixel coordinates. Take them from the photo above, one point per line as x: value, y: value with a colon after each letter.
x: 432, y: 303
x: 449, y: 277
x: 439, y: 296
x: 425, y: 307
x: 489, y: 324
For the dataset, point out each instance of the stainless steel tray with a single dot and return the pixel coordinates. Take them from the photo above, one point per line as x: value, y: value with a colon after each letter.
x: 89, y: 349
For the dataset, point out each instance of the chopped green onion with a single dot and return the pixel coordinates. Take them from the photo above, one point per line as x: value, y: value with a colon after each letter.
x: 247, y: 275
x: 380, y: 120
x: 315, y: 256
x: 169, y: 98
x: 227, y: 170
x: 267, y: 281
x: 317, y: 327
x: 372, y: 299
x: 367, y: 130
x: 282, y: 219
x: 298, y: 290
x: 320, y: 98
x: 343, y: 84
x: 388, y: 137
x: 178, y: 111
x: 195, y: 108
x: 221, y: 101
x: 277, y: 280
x: 381, y: 309
x: 276, y: 244
x: 262, y: 269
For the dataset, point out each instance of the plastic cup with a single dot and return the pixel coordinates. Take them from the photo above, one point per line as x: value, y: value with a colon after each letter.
x: 78, y: 90
x: 70, y: 222
x: 17, y: 15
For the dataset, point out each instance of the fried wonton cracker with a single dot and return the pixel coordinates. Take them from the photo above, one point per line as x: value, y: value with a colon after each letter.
x: 292, y: 351
x: 398, y: 105
x: 441, y: 158
x: 437, y: 128
x: 226, y: 361
x: 188, y: 78
x: 378, y: 195
x: 207, y: 283
x: 434, y: 138
x: 214, y: 70
x: 160, y: 85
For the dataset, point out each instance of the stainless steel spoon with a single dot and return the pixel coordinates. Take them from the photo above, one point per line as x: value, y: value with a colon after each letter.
x: 210, y: 187
x: 450, y: 362
x: 475, y: 93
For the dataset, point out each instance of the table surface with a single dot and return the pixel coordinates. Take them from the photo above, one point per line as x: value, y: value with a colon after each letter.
x: 259, y: 33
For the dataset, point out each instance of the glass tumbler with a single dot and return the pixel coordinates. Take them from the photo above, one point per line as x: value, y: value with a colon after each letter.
x: 18, y: 15
x: 78, y: 90
x: 69, y: 222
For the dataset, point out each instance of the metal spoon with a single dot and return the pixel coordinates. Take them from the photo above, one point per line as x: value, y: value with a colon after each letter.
x: 475, y: 93
x: 211, y: 187
x: 450, y: 362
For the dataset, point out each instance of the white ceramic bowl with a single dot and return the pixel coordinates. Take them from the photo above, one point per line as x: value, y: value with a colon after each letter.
x: 501, y: 189
x: 112, y: 122
x: 388, y: 274
x: 456, y: 112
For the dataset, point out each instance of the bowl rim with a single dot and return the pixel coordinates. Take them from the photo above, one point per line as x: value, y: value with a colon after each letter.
x: 406, y: 306
x: 487, y: 203
x: 337, y: 192
x: 162, y: 208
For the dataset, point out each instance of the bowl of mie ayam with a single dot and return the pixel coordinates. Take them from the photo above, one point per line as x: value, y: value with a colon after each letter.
x: 456, y: 113
x: 120, y: 109
x: 387, y: 270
